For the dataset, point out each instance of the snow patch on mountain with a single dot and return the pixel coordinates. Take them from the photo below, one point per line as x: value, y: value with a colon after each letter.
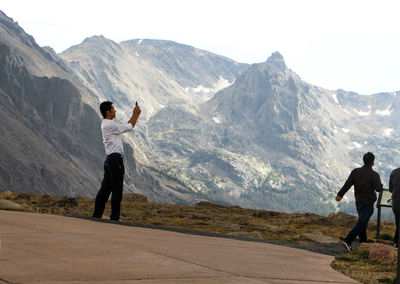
x: 362, y: 113
x: 216, y: 119
x: 388, y: 131
x: 222, y: 83
x: 385, y: 112
x: 334, y: 96
x: 217, y: 86
x: 202, y: 89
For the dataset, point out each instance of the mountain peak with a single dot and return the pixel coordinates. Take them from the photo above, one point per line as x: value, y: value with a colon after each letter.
x: 13, y: 28
x: 276, y: 56
x: 97, y: 42
x: 96, y: 39
x: 276, y: 59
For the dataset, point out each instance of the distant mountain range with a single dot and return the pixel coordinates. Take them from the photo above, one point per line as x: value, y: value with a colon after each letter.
x: 211, y: 128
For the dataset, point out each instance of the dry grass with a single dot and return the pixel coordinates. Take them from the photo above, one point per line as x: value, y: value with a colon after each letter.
x: 301, y: 229
x: 357, y: 266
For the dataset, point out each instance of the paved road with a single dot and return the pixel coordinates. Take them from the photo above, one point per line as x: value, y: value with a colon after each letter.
x: 38, y: 248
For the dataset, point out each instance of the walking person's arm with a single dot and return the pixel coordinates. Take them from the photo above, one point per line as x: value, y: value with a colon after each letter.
x: 349, y: 183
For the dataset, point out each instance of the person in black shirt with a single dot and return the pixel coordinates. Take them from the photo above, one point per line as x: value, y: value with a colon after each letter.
x: 366, y: 182
x: 394, y: 188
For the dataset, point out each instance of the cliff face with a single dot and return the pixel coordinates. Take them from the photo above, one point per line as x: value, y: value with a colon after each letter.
x: 49, y: 134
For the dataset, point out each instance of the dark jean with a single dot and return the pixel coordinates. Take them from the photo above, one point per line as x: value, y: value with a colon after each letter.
x: 112, y: 183
x: 397, y: 219
x: 365, y: 211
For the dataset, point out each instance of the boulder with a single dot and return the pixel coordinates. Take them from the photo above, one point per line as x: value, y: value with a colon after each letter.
x: 9, y: 205
x: 380, y: 252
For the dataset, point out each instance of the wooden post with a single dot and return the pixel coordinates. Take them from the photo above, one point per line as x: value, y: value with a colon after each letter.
x: 378, y: 223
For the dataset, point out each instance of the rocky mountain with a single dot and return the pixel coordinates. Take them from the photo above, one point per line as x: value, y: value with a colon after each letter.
x: 159, y: 75
x: 51, y: 141
x: 258, y: 141
x: 155, y: 73
x: 211, y: 128
x: 271, y: 140
x: 312, y: 135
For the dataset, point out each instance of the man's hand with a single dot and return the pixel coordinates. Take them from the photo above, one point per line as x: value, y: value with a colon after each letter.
x: 137, y: 110
x: 135, y: 115
x: 338, y: 198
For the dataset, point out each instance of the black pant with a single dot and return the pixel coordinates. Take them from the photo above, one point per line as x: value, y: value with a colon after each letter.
x: 113, y: 182
x: 397, y: 219
x: 365, y: 211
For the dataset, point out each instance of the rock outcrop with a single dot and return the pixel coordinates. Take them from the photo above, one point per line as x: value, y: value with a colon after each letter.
x: 380, y: 252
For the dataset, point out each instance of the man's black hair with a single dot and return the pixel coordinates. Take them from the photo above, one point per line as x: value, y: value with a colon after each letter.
x: 104, y: 106
x: 368, y: 159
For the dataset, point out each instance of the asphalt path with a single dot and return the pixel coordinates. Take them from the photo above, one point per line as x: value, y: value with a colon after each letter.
x: 41, y: 248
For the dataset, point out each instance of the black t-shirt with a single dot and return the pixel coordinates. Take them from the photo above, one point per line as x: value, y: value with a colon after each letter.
x: 366, y: 181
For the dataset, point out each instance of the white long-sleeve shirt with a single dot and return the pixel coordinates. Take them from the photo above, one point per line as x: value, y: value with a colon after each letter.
x: 112, y: 135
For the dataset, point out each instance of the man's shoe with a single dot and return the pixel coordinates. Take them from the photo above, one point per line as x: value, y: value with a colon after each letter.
x: 347, y: 246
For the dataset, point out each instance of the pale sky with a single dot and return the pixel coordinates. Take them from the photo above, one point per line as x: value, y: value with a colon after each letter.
x: 348, y: 44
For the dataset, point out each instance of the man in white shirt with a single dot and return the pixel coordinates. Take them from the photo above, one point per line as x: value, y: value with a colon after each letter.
x: 114, y: 169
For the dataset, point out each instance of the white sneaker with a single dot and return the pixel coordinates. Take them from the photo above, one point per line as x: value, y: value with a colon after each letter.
x: 347, y: 246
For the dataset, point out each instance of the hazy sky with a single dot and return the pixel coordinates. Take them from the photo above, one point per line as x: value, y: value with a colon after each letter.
x: 351, y: 44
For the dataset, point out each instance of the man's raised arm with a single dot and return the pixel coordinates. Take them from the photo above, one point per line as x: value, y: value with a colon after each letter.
x: 135, y: 115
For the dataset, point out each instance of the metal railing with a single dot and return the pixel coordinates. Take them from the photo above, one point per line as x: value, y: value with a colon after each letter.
x: 384, y: 200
